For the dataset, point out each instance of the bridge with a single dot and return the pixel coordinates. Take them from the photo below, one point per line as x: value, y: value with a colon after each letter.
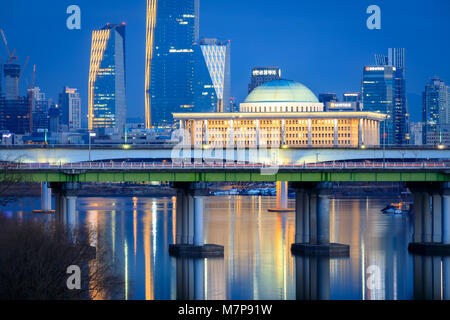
x: 310, y: 171
x: 55, y: 154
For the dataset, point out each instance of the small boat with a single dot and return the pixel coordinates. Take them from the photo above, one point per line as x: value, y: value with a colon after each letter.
x: 396, y: 208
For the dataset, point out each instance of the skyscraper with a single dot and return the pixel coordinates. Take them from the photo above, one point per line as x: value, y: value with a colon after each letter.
x: 352, y: 97
x: 397, y: 58
x: 436, y: 109
x: 261, y: 75
x: 212, y: 84
x: 107, y: 96
x: 70, y: 106
x: 378, y: 96
x: 328, y: 97
x: 172, y: 30
x: 11, y: 72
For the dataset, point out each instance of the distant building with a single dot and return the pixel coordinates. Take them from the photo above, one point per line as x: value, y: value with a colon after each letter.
x: 436, y: 109
x: 54, y: 115
x: 416, y: 131
x: 378, y: 96
x: 282, y: 113
x: 39, y: 105
x: 212, y: 76
x: 352, y: 97
x: 172, y: 30
x: 107, y: 97
x: 15, y: 115
x: 328, y: 97
x: 11, y: 72
x: 261, y: 75
x: 397, y: 58
x: 342, y: 106
x: 70, y: 108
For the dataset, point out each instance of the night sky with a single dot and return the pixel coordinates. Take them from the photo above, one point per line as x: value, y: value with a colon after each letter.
x: 322, y: 43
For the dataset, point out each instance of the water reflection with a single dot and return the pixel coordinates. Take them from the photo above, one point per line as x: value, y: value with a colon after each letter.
x: 257, y: 262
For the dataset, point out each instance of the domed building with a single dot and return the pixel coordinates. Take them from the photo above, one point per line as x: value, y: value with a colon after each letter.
x: 283, y: 113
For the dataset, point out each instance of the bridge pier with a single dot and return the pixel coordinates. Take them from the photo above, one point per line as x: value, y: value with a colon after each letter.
x: 65, y: 203
x: 312, y: 221
x: 189, y: 224
x: 431, y: 218
x: 46, y: 199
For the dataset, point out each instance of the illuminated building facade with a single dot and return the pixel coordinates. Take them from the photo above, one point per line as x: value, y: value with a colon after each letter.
x: 262, y: 75
x: 282, y: 113
x: 212, y: 76
x: 172, y: 29
x: 107, y: 96
x: 352, y: 97
x: 436, y: 110
x: 70, y: 106
x: 378, y: 96
x: 397, y: 58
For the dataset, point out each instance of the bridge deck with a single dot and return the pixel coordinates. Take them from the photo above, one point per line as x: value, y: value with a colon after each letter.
x: 146, y: 172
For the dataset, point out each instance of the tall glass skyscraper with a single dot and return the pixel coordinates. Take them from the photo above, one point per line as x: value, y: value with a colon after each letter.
x: 212, y: 76
x: 172, y: 30
x: 107, y: 96
x: 378, y: 96
x: 397, y: 58
x: 436, y: 108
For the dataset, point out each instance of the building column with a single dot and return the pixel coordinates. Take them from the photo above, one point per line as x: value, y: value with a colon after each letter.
x: 309, y: 133
x: 189, y: 223
x: 336, y: 133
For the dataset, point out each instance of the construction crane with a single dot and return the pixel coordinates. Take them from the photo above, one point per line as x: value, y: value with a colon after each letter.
x: 12, y: 56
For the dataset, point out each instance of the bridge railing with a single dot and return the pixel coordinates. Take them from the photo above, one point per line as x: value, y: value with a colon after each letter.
x: 196, y: 166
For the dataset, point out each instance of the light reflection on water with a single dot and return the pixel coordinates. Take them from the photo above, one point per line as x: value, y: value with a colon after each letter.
x: 258, y: 263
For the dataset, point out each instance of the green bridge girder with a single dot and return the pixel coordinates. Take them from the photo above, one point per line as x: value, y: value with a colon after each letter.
x: 228, y: 176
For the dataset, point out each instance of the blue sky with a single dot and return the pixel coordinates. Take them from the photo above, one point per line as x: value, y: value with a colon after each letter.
x: 322, y: 43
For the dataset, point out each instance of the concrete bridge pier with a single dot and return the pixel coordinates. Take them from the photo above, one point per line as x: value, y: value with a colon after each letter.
x: 312, y: 221
x: 65, y: 203
x: 46, y: 199
x: 431, y: 218
x: 189, y: 224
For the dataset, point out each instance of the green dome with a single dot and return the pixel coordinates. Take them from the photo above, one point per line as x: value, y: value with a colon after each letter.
x: 281, y: 91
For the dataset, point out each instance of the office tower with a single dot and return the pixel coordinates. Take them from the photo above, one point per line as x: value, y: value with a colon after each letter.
x: 261, y: 75
x: 15, y: 115
x: 378, y: 96
x: 39, y: 107
x: 212, y: 76
x: 70, y: 108
x: 11, y: 73
x: 172, y: 30
x: 352, y: 97
x: 54, y: 114
x: 328, y: 97
x: 436, y: 113
x: 397, y: 58
x: 107, y: 96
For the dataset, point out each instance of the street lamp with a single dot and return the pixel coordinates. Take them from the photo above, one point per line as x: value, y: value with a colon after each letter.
x: 91, y: 134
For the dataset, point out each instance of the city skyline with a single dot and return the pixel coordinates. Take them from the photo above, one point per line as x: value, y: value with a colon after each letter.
x: 314, y: 72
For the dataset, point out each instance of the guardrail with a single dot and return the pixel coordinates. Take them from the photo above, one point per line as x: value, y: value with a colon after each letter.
x: 235, y: 166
